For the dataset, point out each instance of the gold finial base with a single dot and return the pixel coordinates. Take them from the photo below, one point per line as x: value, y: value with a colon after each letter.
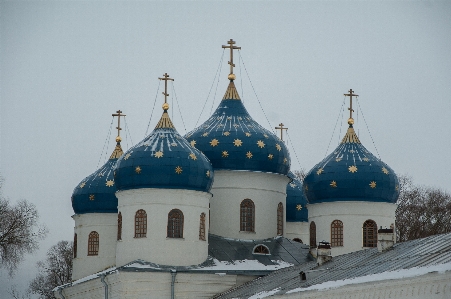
x: 350, y: 121
x: 165, y: 106
x: 118, y: 139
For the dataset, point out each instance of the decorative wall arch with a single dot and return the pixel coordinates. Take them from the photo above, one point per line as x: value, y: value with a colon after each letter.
x: 175, y: 224
x: 369, y: 233
x: 247, y: 215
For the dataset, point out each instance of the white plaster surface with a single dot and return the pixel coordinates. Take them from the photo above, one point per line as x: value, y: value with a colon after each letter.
x: 156, y: 247
x: 353, y: 214
x: 106, y: 225
x: 230, y: 188
x: 298, y: 230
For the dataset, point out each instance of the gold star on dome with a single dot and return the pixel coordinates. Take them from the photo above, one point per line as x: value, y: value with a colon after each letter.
x: 365, y: 159
x: 285, y: 160
x: 178, y: 170
x: 249, y: 155
x: 205, y: 134
x: 82, y: 184
x: 385, y: 170
x: 91, y: 197
x: 226, y: 133
x: 266, y: 136
x: 298, y: 207
x: 270, y: 156
x: 214, y: 142
x: 193, y: 143
x: 138, y: 169
x: 373, y: 184
x: 225, y: 154
x: 292, y: 185
x: 237, y: 142
x: 219, y: 117
x: 352, y: 168
x: 248, y: 134
x: 333, y: 184
x: 260, y: 144
x: 236, y: 126
x: 109, y: 183
x: 208, y: 173
x: 159, y: 154
x: 173, y: 144
x: 220, y: 125
x: 319, y: 171
x: 279, y: 148
x: 229, y: 117
x: 338, y: 159
x: 192, y: 156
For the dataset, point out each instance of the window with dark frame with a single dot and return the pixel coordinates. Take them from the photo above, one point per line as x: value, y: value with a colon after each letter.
x: 336, y: 233
x: 369, y: 234
x: 93, y: 243
x: 75, y: 246
x: 140, y: 224
x: 280, y: 219
x: 312, y: 234
x: 175, y: 224
x: 261, y: 249
x: 202, y: 227
x: 247, y: 216
x: 119, y: 226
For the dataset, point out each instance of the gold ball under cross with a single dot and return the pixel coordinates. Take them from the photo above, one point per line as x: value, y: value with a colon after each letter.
x: 118, y: 139
x: 165, y: 106
x: 350, y: 121
x: 231, y: 77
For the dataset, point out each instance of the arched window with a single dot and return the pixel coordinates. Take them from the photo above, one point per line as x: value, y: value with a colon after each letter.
x: 280, y: 219
x: 119, y: 226
x: 75, y: 246
x: 312, y: 234
x: 93, y: 243
x: 247, y: 215
x: 297, y: 240
x: 202, y: 227
x: 140, y: 224
x: 175, y: 224
x: 336, y: 233
x: 261, y: 249
x: 369, y: 234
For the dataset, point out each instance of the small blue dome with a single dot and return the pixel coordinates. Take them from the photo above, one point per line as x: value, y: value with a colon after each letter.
x: 232, y: 140
x: 96, y: 193
x: 166, y: 160
x: 296, y: 201
x: 351, y: 173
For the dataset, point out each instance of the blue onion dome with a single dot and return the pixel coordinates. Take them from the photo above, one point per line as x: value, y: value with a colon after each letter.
x: 96, y: 193
x: 166, y: 160
x: 232, y: 140
x: 351, y: 173
x: 296, y: 201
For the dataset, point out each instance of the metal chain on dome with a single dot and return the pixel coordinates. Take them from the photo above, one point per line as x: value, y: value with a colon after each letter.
x: 364, y: 120
x: 106, y: 141
x: 217, y: 70
x: 216, y: 90
x: 292, y: 146
x: 153, y: 108
x: 178, y: 106
x: 336, y: 122
x: 342, y: 118
x: 241, y: 58
x: 127, y: 131
x: 241, y: 78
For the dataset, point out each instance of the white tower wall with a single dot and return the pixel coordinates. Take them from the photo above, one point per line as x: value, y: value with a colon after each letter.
x: 298, y: 230
x: 156, y: 247
x: 105, y: 224
x: 353, y: 214
x: 230, y: 188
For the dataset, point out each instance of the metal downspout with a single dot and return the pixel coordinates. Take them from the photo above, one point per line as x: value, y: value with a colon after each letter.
x: 102, y: 279
x: 60, y: 291
x: 173, y: 274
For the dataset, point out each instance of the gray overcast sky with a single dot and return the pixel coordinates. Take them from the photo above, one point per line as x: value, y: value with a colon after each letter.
x: 67, y: 66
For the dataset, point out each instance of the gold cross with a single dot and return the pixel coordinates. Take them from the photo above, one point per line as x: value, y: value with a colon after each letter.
x: 118, y: 114
x: 166, y: 78
x: 350, y: 95
x: 231, y: 43
x: 281, y: 128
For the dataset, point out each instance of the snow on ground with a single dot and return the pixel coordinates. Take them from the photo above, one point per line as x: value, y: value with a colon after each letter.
x: 264, y: 294
x: 389, y: 275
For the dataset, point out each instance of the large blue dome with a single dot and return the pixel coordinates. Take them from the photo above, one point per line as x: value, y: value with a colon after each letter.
x: 351, y: 173
x: 166, y: 160
x: 232, y: 140
x: 296, y: 201
x: 96, y: 193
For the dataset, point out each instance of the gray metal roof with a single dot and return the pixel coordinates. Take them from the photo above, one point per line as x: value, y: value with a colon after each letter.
x: 417, y: 253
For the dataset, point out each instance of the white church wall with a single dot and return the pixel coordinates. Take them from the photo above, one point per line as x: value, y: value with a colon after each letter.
x: 353, y: 214
x: 298, y: 230
x: 230, y: 188
x: 105, y: 224
x: 156, y: 247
